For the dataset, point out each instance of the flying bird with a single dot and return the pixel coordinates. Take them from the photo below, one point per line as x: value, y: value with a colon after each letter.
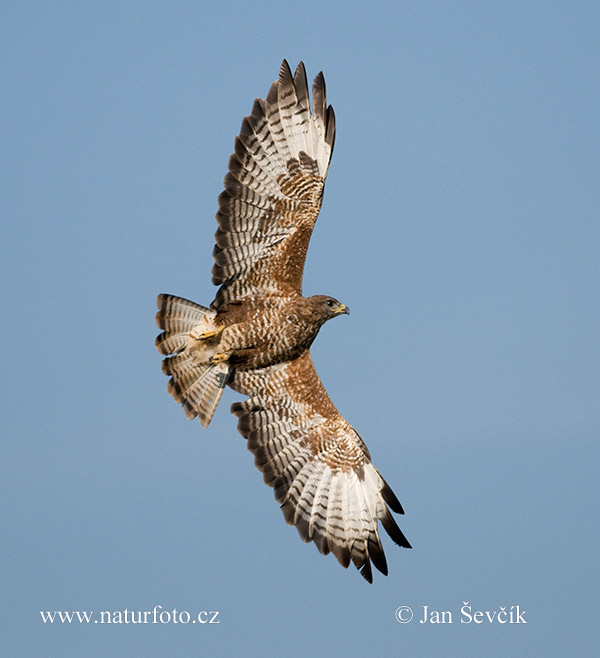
x: 256, y: 335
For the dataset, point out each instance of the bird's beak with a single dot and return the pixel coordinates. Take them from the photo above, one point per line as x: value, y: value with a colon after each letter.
x: 342, y: 308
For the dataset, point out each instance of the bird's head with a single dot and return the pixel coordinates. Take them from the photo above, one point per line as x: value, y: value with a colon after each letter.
x: 328, y: 307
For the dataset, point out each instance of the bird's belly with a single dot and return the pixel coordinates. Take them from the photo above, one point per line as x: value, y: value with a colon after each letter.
x: 265, y: 341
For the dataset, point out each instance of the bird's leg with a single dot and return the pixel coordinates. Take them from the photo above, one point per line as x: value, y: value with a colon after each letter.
x: 219, y: 358
x: 206, y: 335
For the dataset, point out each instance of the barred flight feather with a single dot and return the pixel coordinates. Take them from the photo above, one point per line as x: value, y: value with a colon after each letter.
x: 269, y: 443
x: 249, y: 165
x: 245, y: 206
x: 270, y: 236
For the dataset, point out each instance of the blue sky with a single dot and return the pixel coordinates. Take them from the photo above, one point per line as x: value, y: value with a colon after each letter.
x: 460, y: 225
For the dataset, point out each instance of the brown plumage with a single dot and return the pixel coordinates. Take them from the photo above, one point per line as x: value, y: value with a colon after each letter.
x: 256, y: 335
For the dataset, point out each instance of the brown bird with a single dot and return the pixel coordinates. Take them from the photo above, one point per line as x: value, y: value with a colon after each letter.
x: 256, y: 335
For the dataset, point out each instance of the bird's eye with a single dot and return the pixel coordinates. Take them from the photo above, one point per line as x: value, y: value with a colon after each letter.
x: 330, y: 302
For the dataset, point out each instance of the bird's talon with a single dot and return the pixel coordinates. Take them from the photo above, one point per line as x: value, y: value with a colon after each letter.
x: 206, y: 335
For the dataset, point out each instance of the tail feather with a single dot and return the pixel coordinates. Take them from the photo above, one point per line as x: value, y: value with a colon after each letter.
x: 200, y: 391
x: 196, y: 383
x: 178, y: 317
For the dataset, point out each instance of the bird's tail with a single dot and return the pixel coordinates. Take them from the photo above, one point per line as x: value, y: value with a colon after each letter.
x: 191, y: 338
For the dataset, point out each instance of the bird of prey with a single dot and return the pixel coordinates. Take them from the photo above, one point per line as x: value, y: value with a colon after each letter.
x: 256, y: 335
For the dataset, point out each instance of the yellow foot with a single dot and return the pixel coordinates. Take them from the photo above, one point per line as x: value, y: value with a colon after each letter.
x: 207, y: 335
x: 219, y: 358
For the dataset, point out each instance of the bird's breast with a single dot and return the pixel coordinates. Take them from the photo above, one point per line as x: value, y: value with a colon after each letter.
x: 267, y: 334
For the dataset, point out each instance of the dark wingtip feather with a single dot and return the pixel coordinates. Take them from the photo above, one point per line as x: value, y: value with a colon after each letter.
x: 288, y: 512
x: 377, y: 555
x: 302, y: 528
x: 366, y: 572
x: 342, y: 553
x: 319, y: 96
x: 390, y: 498
x: 246, y: 128
x: 272, y: 95
x: 285, y: 74
x: 394, y: 531
x: 330, y: 130
x: 258, y: 109
x: 285, y: 67
x: 300, y: 73
x: 301, y: 84
x: 320, y: 541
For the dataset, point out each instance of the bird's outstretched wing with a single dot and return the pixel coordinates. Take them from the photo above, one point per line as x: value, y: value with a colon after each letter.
x: 273, y: 190
x: 318, y: 465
